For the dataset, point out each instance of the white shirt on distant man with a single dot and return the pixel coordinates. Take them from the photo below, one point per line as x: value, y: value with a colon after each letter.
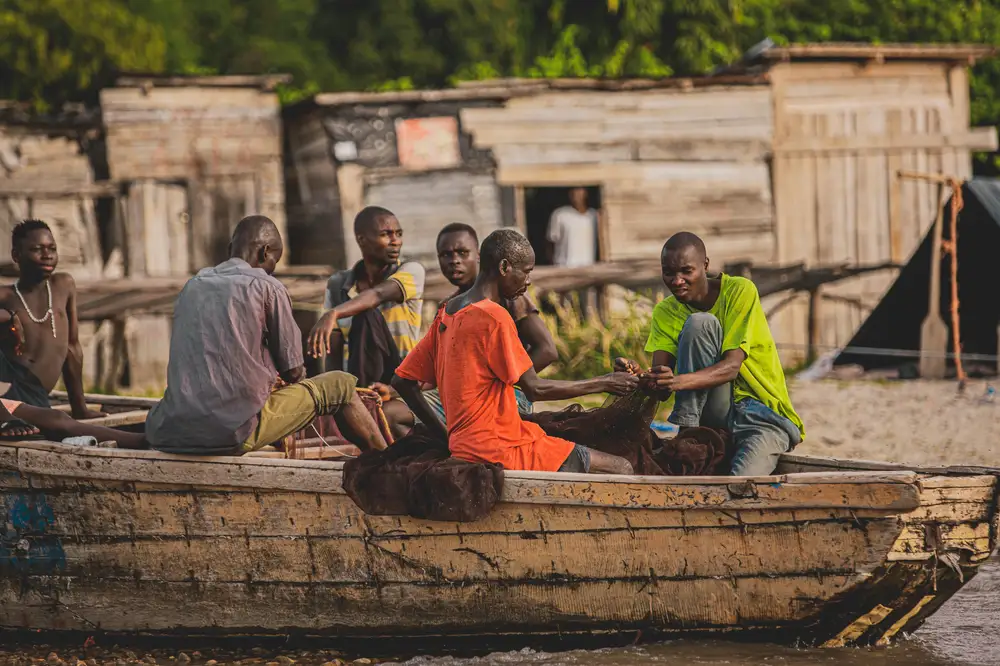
x: 574, y: 235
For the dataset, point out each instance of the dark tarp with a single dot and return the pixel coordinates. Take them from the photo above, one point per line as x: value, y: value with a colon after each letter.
x: 895, y: 322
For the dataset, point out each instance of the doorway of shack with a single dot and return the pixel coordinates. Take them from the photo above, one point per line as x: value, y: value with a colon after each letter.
x: 539, y: 204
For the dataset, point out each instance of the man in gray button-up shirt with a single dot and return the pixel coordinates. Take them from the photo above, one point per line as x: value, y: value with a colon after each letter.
x: 233, y: 335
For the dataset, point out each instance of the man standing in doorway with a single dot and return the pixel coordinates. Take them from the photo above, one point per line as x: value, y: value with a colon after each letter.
x: 572, y: 233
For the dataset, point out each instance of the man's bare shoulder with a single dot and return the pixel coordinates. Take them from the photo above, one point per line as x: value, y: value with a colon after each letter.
x: 64, y: 280
x: 63, y: 284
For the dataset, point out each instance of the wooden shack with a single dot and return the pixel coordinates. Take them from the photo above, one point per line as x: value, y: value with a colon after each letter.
x: 195, y: 154
x: 192, y: 156
x: 790, y: 157
x: 47, y: 171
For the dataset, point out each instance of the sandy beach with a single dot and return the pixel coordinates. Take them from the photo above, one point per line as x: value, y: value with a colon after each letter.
x: 908, y: 421
x: 911, y: 421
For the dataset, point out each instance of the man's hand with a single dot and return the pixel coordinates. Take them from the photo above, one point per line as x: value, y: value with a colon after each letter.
x: 385, y: 392
x: 620, y: 383
x: 319, y: 337
x: 627, y: 365
x: 659, y: 378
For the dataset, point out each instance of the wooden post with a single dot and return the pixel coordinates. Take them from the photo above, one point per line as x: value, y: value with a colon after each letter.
x: 933, y: 332
x: 520, y: 219
x: 815, y: 298
x: 351, y: 183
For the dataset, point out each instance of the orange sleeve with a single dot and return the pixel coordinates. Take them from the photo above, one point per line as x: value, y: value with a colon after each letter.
x: 505, y: 354
x: 419, y: 364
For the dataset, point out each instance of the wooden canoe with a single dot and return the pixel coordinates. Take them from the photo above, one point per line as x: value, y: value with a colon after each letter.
x: 824, y: 552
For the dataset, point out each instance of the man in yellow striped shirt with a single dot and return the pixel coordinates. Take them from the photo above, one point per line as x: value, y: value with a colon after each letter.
x: 375, y: 306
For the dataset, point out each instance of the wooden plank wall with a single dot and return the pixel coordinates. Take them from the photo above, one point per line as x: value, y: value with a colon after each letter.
x: 32, y: 160
x: 206, y: 137
x: 842, y: 131
x: 197, y: 160
x: 667, y: 160
x: 425, y: 202
x: 35, y: 161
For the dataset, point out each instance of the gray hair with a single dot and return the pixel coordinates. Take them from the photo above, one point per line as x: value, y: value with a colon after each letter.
x: 503, y: 244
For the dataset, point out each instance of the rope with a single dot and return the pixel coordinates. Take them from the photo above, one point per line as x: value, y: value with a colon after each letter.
x: 950, y: 247
x: 886, y: 351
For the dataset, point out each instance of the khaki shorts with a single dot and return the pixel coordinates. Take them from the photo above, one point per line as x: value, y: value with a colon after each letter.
x: 291, y: 408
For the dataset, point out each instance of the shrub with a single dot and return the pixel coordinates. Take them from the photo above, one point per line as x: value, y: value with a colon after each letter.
x: 587, y: 346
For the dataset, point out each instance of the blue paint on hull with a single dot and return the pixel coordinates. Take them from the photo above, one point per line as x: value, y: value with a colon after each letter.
x: 26, y: 548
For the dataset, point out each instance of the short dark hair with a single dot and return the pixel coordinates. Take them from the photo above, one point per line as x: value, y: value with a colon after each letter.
x: 369, y: 215
x: 22, y: 230
x: 254, y: 231
x: 683, y: 240
x: 503, y: 244
x: 458, y: 228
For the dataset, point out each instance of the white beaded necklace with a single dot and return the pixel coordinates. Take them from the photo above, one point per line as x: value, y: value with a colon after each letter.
x: 48, y: 316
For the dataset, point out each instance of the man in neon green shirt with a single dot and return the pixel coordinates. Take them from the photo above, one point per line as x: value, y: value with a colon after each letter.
x: 713, y: 349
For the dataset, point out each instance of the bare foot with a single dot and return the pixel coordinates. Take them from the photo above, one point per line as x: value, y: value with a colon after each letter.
x: 14, y: 429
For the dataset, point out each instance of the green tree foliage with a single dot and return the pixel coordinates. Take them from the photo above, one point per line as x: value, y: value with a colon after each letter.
x: 53, y: 50
x: 57, y: 50
x: 881, y: 21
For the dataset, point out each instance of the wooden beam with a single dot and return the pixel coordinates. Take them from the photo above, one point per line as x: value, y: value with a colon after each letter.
x: 121, y: 419
x: 940, y: 178
x: 351, y: 186
x: 845, y: 50
x: 108, y: 188
x: 111, y: 400
x: 976, y: 139
x: 264, y: 82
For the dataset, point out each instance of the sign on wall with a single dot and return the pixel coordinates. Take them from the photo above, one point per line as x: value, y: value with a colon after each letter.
x: 428, y: 143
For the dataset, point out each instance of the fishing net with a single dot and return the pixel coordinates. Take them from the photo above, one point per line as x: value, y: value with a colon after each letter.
x: 621, y: 427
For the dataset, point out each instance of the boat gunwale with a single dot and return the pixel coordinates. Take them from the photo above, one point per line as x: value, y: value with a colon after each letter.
x: 900, y: 475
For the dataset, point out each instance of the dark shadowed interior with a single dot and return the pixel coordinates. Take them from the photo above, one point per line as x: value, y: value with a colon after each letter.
x: 895, y: 322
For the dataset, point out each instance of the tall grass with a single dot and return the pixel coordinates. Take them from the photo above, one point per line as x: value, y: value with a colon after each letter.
x: 588, y: 346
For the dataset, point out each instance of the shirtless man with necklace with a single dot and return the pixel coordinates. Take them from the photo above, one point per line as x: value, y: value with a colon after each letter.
x: 39, y: 328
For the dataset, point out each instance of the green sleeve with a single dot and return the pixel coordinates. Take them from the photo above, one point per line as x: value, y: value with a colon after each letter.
x: 744, y: 317
x: 663, y: 331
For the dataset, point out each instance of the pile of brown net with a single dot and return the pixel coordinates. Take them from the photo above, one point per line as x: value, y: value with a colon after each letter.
x: 621, y: 427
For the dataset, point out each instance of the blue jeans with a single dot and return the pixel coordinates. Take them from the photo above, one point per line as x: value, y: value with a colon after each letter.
x: 760, y: 435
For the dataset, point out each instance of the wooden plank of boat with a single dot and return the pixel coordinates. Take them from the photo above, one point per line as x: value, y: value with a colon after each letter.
x: 110, y: 400
x: 145, y: 541
x: 119, y: 419
x: 65, y: 406
x: 884, y: 490
x: 795, y: 463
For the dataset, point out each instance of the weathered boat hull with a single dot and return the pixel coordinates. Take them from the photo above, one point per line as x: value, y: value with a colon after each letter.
x: 121, y: 541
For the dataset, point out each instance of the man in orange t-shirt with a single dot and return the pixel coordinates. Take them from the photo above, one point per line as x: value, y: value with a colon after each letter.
x: 472, y: 353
